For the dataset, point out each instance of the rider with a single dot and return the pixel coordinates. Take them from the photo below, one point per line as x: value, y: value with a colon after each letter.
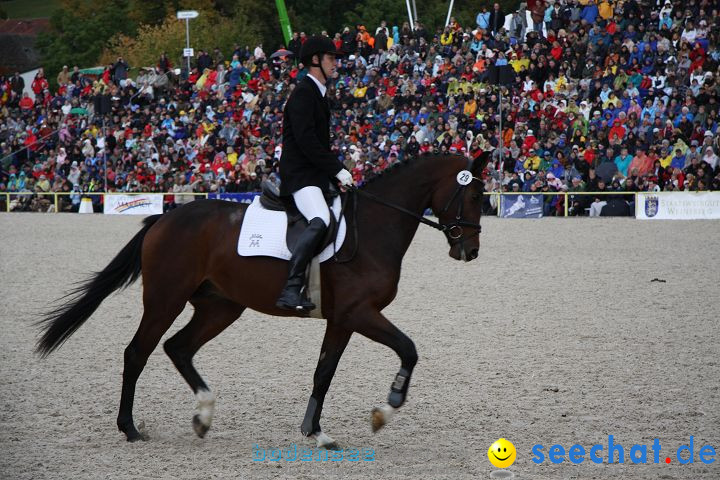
x: 307, y: 164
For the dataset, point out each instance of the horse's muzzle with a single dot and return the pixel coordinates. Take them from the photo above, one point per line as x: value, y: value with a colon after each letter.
x: 462, y: 254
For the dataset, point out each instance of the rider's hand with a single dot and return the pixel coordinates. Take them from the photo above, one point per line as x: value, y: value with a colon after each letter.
x: 345, y: 178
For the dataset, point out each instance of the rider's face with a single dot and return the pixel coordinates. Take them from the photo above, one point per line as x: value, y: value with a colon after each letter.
x: 328, y: 64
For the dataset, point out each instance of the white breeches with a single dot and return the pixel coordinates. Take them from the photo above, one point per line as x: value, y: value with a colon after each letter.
x: 311, y: 203
x: 596, y: 208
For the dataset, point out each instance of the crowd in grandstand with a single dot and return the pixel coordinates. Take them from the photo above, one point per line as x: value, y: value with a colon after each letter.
x: 608, y: 96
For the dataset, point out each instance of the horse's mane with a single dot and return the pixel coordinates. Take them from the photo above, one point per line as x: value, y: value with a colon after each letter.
x: 391, y: 170
x: 396, y: 167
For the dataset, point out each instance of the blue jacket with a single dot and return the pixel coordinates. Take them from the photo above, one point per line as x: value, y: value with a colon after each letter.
x: 557, y: 169
x: 678, y: 162
x: 483, y: 20
x: 589, y: 13
x: 623, y: 163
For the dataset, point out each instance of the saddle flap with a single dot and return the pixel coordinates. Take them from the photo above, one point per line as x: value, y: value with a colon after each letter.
x: 270, y: 199
x: 297, y: 225
x: 265, y: 232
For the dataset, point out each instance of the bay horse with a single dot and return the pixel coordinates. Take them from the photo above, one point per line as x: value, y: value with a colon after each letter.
x: 214, y: 279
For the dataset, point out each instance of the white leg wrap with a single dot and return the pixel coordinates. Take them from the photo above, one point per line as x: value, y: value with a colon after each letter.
x: 206, y: 406
x: 323, y: 440
x: 387, y: 412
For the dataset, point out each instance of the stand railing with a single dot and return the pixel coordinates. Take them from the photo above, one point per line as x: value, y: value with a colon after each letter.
x: 10, y: 201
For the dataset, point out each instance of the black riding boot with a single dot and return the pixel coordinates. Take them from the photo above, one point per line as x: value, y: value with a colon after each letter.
x: 307, y: 244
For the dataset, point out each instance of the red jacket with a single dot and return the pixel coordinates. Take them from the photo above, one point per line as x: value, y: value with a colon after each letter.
x: 617, y: 131
x: 27, y: 103
x: 39, y: 84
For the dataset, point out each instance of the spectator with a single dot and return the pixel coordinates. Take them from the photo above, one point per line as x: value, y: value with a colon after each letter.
x: 294, y: 44
x: 26, y: 103
x: 120, y: 70
x: 39, y: 83
x: 17, y: 84
x: 496, y: 20
x: 63, y: 77
x: 615, y: 85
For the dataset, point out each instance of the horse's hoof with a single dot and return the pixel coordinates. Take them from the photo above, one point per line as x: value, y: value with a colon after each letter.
x: 136, y: 437
x: 331, y: 446
x: 200, y: 428
x: 131, y: 433
x: 378, y: 419
x: 324, y: 441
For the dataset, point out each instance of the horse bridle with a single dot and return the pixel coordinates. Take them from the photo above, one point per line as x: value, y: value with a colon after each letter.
x: 453, y: 230
x: 459, y: 223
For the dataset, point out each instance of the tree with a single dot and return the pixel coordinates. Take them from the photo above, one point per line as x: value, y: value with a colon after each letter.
x: 149, y: 13
x: 208, y: 31
x: 79, y: 31
x: 431, y: 13
x: 371, y: 12
x: 263, y: 16
x: 84, y: 30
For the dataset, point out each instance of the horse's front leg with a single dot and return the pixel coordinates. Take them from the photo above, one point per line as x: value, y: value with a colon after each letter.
x: 333, y: 346
x: 372, y: 324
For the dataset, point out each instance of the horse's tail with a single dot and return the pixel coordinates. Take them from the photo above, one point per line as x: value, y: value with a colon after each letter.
x: 82, y: 301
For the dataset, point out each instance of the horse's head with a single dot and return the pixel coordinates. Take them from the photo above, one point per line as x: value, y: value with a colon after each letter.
x: 457, y: 202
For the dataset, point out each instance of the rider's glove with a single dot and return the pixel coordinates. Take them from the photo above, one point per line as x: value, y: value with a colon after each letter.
x: 345, y: 178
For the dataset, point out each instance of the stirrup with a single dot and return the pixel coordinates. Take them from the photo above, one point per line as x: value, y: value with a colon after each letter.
x: 302, y: 307
x: 305, y: 302
x: 298, y: 302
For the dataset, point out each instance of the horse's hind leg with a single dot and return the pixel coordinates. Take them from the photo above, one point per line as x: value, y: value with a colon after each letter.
x: 156, y: 319
x: 212, y: 315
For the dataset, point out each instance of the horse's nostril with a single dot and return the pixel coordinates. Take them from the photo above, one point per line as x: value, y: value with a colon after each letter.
x: 473, y: 254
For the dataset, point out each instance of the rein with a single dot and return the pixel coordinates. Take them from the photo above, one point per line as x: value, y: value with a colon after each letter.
x: 420, y: 218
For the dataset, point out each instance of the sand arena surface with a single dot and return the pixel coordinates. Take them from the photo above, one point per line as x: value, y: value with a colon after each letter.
x: 556, y: 334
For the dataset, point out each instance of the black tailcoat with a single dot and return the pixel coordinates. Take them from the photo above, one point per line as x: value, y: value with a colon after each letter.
x: 306, y: 158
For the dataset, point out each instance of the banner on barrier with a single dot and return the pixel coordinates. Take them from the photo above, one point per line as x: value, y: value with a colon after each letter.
x: 522, y: 206
x: 678, y: 205
x: 145, y: 204
x: 244, y: 197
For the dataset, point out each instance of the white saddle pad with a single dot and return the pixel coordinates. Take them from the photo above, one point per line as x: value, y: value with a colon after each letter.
x: 263, y: 233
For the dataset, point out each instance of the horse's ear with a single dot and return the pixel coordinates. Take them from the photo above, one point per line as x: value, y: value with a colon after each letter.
x: 478, y: 165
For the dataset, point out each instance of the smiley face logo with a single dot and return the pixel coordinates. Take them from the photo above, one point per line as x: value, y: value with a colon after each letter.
x: 502, y: 453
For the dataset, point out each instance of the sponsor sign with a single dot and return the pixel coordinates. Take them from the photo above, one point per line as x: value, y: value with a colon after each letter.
x: 144, y: 204
x: 521, y: 206
x: 245, y: 197
x: 678, y: 205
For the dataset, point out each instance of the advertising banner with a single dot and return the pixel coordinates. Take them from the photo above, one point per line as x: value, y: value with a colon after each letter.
x: 144, y: 204
x: 245, y: 197
x: 521, y: 206
x: 678, y: 205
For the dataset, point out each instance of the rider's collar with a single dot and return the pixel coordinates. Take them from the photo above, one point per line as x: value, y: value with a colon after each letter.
x: 319, y: 84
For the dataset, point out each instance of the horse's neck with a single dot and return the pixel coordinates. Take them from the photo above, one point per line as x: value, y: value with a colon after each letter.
x: 385, y: 231
x: 409, y: 186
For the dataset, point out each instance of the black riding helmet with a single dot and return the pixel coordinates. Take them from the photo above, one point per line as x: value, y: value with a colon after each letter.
x: 317, y: 45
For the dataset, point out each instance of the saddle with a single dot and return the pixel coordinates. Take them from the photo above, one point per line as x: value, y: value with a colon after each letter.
x: 270, y: 199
